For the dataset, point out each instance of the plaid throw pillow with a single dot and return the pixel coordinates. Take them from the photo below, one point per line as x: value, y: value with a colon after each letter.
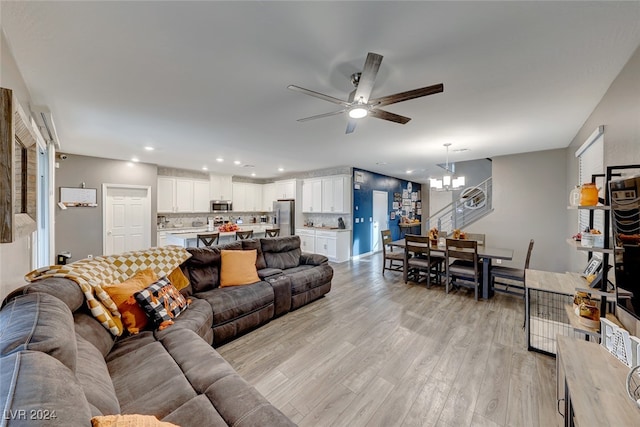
x: 162, y: 302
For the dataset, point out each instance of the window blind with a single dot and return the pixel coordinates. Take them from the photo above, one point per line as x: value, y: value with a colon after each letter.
x: 591, y: 161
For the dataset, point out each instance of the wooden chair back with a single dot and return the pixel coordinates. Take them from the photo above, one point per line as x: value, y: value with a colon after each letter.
x: 242, y: 235
x: 466, y: 250
x: 417, y: 245
x: 272, y: 232
x: 526, y: 263
x: 478, y: 237
x: 386, y: 240
x: 208, y: 239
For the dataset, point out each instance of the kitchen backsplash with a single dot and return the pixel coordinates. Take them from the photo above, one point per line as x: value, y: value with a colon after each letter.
x: 326, y: 220
x: 186, y: 220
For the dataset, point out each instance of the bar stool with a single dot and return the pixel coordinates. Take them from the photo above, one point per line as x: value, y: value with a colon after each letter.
x: 272, y: 232
x: 208, y: 239
x: 242, y: 235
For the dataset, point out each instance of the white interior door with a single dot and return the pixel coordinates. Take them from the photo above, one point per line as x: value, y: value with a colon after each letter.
x: 380, y: 218
x: 127, y: 218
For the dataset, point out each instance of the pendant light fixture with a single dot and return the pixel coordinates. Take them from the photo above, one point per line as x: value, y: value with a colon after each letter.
x: 447, y: 182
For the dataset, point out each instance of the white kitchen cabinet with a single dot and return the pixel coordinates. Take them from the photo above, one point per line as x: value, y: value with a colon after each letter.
x: 161, y: 239
x: 268, y: 196
x: 312, y: 195
x: 238, y: 199
x: 336, y: 191
x: 182, y: 195
x: 247, y: 197
x: 201, y: 196
x: 166, y: 194
x: 286, y: 189
x: 221, y: 187
x: 307, y: 240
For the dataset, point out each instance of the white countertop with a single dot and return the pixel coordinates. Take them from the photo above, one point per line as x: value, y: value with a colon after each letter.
x: 192, y: 233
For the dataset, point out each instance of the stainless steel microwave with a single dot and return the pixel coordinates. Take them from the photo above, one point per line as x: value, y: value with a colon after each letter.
x: 221, y: 206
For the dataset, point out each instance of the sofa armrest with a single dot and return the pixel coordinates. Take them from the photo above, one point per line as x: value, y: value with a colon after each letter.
x: 313, y: 259
x: 263, y: 273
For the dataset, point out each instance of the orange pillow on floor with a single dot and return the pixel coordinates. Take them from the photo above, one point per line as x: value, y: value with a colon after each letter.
x: 134, y: 317
x: 129, y: 420
x: 238, y: 268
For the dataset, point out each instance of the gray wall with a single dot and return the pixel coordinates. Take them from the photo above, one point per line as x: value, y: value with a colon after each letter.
x: 79, y: 230
x: 619, y: 112
x: 529, y: 202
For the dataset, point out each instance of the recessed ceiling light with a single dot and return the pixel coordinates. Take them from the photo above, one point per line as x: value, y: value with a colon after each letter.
x: 236, y: 162
x: 220, y: 159
x: 280, y: 169
x: 381, y: 163
x: 135, y: 159
x: 204, y: 168
x: 149, y: 148
x: 409, y: 171
x: 253, y: 174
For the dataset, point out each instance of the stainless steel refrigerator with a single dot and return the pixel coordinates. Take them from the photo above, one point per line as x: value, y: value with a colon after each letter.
x: 284, y: 216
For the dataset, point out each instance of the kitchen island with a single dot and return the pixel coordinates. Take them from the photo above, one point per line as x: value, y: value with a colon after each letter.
x: 188, y: 238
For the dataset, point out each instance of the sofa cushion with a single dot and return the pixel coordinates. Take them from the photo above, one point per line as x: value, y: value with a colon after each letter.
x: 178, y: 279
x: 198, y: 412
x: 198, y: 319
x: 93, y: 375
x: 134, y: 317
x: 268, y: 272
x: 238, y: 268
x: 129, y: 344
x: 162, y: 302
x: 234, y: 302
x: 148, y: 381
x: 304, y: 278
x: 39, y: 322
x: 91, y: 330
x: 249, y: 244
x: 34, y: 382
x: 203, y: 268
x: 281, y: 252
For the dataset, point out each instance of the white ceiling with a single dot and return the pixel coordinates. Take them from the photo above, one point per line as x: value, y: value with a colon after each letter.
x: 201, y: 80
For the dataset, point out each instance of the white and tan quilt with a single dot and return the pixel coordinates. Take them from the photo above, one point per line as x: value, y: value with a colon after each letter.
x: 91, y: 274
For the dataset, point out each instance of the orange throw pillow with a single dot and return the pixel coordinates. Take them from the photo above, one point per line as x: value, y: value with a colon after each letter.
x: 178, y: 279
x: 238, y: 268
x: 133, y: 316
x: 129, y: 420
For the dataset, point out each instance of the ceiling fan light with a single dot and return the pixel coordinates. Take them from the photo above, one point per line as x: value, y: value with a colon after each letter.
x: 436, y: 183
x: 358, y: 112
x: 446, y: 180
x: 458, y: 182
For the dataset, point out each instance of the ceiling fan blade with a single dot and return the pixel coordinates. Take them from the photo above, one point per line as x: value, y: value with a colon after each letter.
x: 405, y: 96
x: 368, y: 77
x: 385, y: 115
x: 351, y: 126
x: 319, y: 116
x: 318, y: 95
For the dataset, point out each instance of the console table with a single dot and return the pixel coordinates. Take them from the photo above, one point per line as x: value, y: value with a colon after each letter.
x: 592, y: 383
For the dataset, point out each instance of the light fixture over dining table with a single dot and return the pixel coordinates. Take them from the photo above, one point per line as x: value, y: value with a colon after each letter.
x: 448, y: 182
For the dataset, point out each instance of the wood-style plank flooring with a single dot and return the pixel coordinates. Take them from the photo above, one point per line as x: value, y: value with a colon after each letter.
x: 378, y: 352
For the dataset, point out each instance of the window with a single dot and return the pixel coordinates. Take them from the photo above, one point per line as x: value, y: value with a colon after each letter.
x: 591, y: 162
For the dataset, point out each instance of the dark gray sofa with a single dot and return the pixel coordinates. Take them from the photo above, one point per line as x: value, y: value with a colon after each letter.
x: 56, y: 360
x: 290, y: 279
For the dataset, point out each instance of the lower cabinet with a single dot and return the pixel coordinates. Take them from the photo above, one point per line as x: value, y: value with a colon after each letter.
x: 335, y: 245
x: 162, y: 239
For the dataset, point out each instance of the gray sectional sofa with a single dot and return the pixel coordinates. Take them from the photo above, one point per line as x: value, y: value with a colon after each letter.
x: 59, y: 366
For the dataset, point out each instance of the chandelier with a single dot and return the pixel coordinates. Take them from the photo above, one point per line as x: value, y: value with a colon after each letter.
x: 448, y: 182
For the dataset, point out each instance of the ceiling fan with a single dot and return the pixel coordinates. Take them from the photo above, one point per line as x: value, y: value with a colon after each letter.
x: 359, y: 105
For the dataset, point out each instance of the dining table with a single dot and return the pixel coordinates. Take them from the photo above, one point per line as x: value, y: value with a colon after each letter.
x: 485, y: 253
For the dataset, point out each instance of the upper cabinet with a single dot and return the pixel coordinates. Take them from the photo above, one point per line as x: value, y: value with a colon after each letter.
x: 286, y: 189
x: 221, y: 187
x: 330, y: 194
x: 247, y: 197
x: 182, y: 195
x: 268, y: 196
x: 336, y: 192
x: 312, y: 195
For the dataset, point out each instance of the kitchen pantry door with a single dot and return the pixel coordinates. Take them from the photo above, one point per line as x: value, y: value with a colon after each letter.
x: 126, y: 218
x: 380, y: 218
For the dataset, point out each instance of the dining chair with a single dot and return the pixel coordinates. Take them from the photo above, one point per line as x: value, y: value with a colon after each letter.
x: 208, y: 239
x: 478, y: 237
x: 396, y: 259
x: 272, y: 232
x: 242, y: 235
x: 467, y: 274
x: 418, y: 260
x: 506, y: 276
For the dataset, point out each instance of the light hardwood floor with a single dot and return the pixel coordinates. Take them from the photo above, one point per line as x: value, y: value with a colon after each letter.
x: 378, y: 352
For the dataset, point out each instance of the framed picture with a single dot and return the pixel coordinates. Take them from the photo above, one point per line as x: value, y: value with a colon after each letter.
x: 392, y: 215
x: 593, y: 266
